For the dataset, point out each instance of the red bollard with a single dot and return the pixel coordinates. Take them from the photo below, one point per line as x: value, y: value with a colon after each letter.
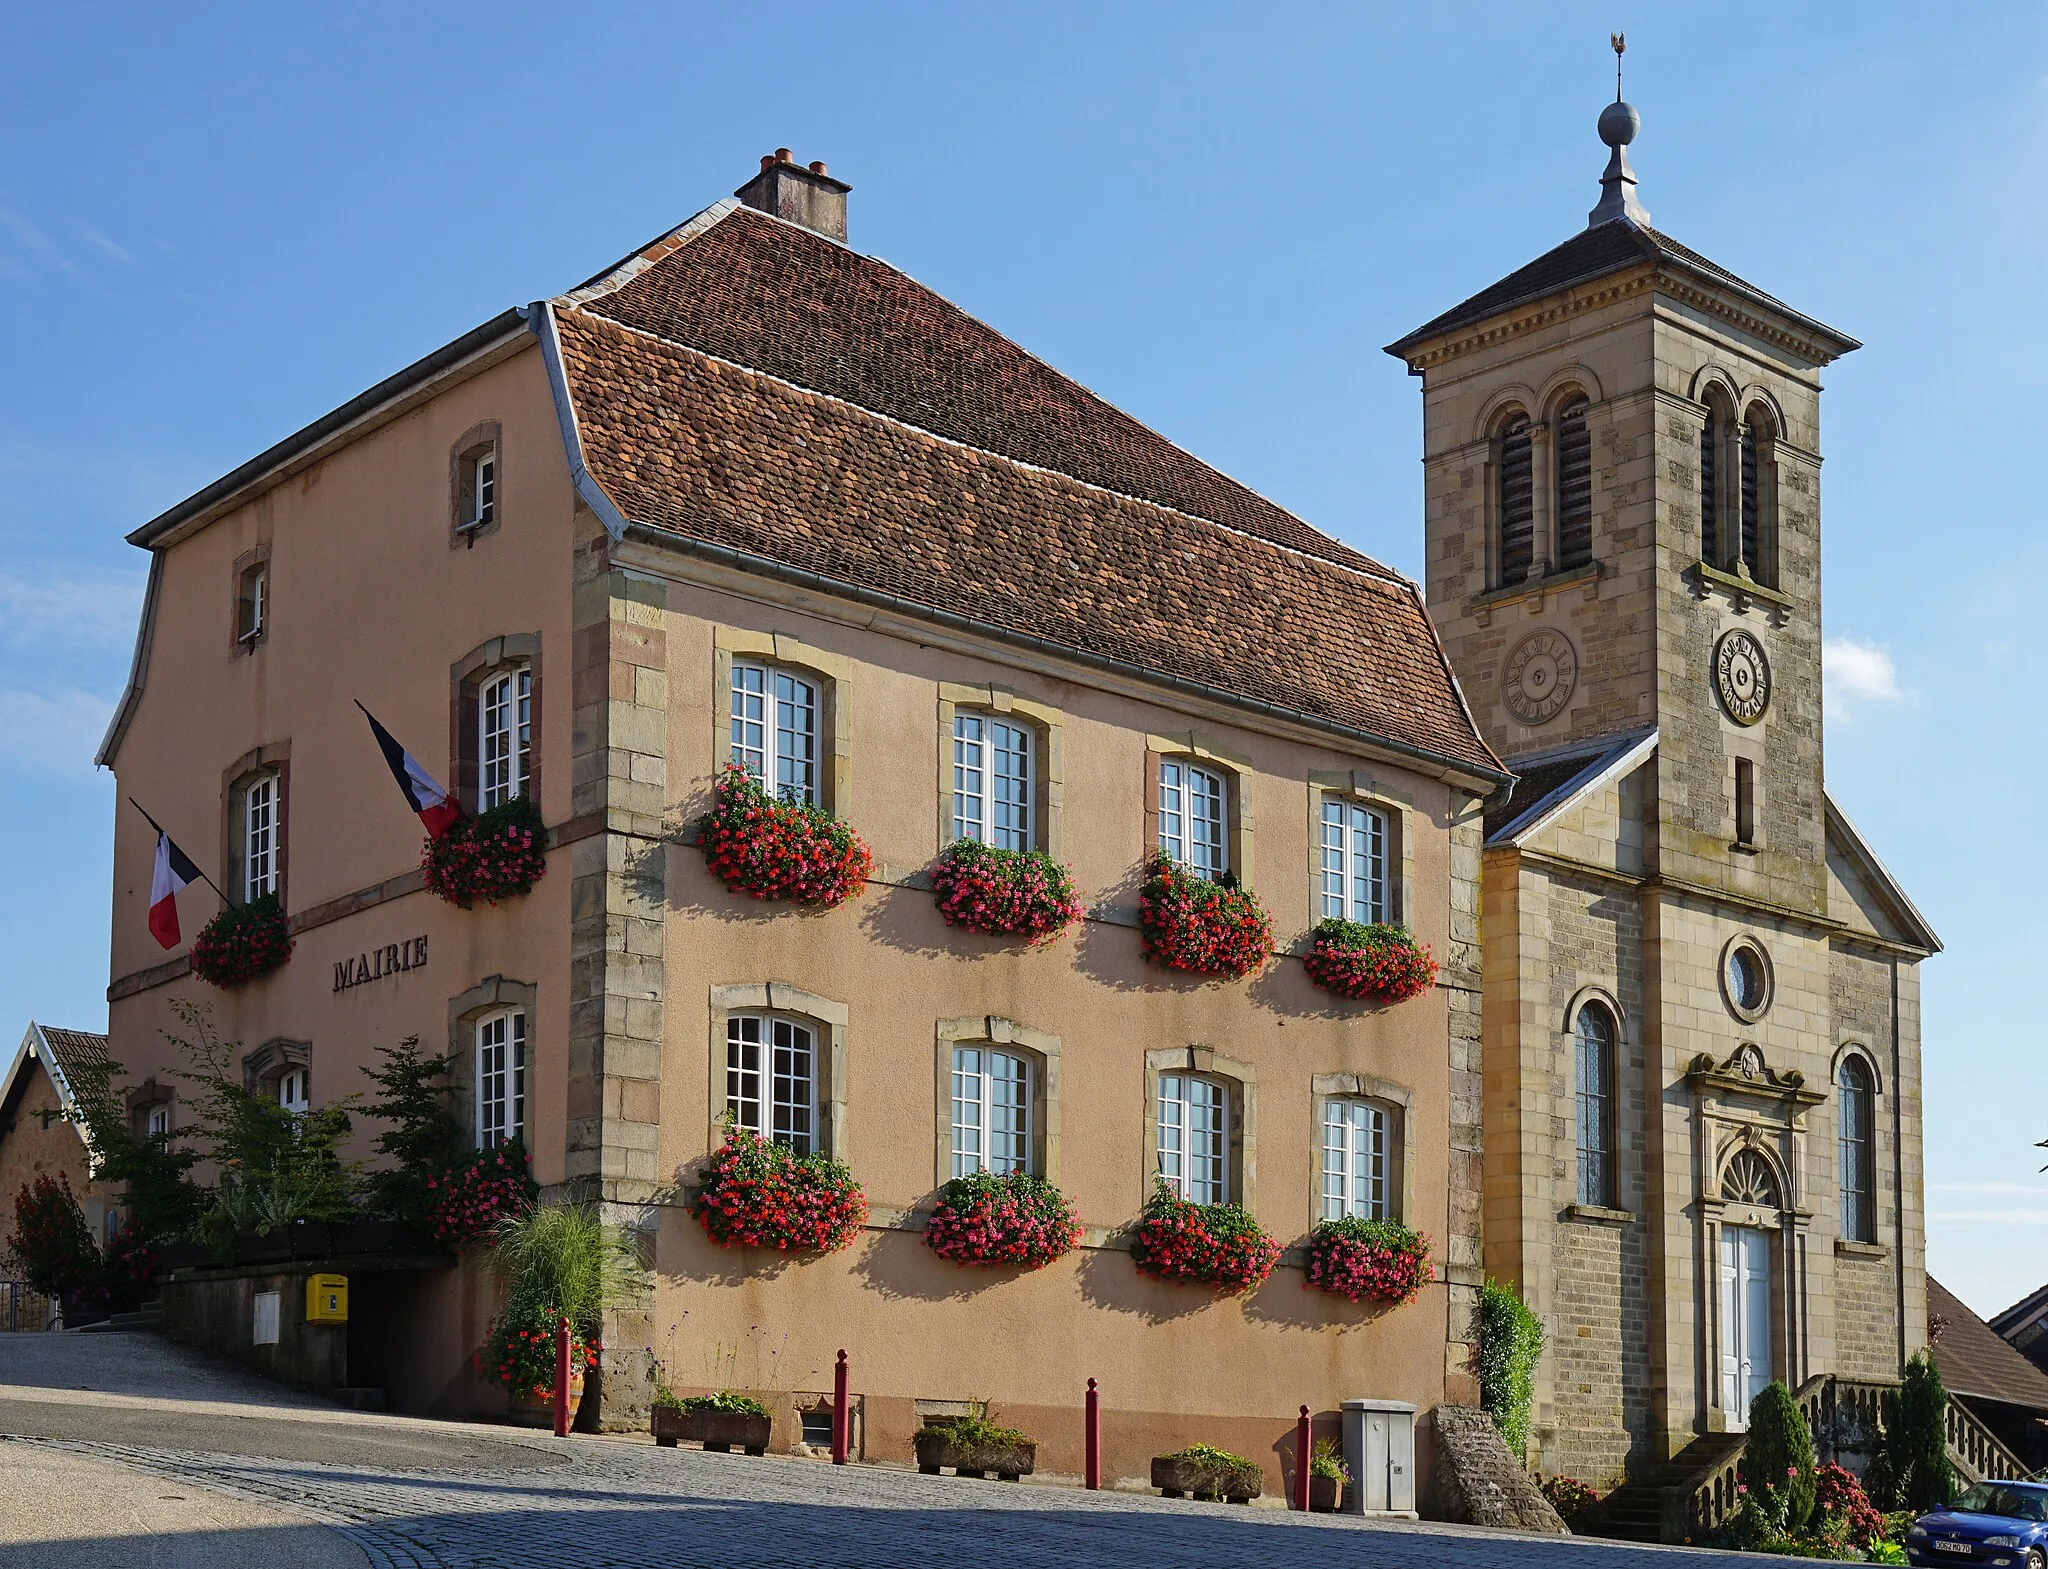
x: 842, y: 1418
x: 1301, y: 1449
x: 561, y: 1378
x: 1092, y: 1443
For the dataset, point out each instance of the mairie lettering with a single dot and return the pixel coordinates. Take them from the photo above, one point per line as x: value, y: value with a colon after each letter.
x: 391, y: 959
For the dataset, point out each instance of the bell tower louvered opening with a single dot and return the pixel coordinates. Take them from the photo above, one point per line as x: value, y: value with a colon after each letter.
x: 1710, y: 489
x: 1517, y: 502
x: 1574, y: 487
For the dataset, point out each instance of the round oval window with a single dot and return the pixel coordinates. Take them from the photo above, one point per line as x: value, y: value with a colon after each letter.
x: 1746, y: 978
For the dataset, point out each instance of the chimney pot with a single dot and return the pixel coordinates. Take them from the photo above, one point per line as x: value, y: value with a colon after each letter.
x: 767, y: 160
x: 782, y: 155
x: 808, y: 197
x: 818, y: 167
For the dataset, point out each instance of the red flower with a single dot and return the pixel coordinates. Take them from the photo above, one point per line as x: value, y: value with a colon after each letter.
x: 1203, y: 927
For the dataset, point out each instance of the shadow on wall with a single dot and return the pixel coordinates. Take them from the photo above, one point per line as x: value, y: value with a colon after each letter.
x: 900, y: 1268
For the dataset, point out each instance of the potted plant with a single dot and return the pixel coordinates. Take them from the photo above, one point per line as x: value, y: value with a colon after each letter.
x: 1204, y: 1471
x: 1005, y: 893
x: 1206, y: 928
x: 1368, y: 1260
x: 974, y: 1446
x: 719, y: 1422
x: 769, y: 849
x: 1215, y: 1245
x: 1327, y: 1475
x: 992, y: 1220
x: 555, y: 1261
x: 518, y: 1355
x: 1372, y: 962
x: 757, y: 1193
x: 496, y: 855
x: 243, y: 943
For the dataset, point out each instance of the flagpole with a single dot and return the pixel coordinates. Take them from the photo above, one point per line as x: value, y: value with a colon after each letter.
x: 159, y: 827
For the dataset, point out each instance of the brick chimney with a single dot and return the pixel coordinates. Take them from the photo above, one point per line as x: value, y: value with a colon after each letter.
x: 809, y: 197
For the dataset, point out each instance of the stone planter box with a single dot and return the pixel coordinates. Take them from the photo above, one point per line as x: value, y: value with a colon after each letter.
x: 721, y: 1432
x: 1176, y: 1478
x: 938, y: 1448
x: 1322, y: 1494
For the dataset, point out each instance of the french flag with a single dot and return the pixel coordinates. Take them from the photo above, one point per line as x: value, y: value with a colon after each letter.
x: 174, y: 870
x: 438, y: 810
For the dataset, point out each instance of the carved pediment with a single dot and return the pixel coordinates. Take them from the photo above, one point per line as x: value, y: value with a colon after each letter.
x: 1744, y: 1072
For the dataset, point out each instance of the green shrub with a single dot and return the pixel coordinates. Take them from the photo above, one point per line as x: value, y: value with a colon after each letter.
x: 564, y: 1260
x: 1777, y: 1457
x: 1510, y: 1343
x: 1916, y: 1443
x: 1220, y: 1473
x: 423, y: 1139
x: 1326, y: 1460
x: 725, y: 1400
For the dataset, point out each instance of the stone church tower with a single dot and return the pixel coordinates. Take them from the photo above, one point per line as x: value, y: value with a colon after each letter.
x: 1701, y: 1004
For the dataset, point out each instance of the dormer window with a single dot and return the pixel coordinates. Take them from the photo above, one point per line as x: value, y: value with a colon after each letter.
x: 252, y: 605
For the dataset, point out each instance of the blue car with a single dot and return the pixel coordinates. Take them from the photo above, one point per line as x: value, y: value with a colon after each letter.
x: 1989, y: 1523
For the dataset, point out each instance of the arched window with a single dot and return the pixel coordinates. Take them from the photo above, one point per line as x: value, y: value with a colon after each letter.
x: 504, y: 747
x: 1517, y: 501
x: 1194, y: 1137
x: 1754, y: 544
x: 1194, y: 817
x: 1710, y: 488
x: 1748, y: 1179
x: 1595, y: 1034
x: 771, y: 1079
x: 1855, y: 1132
x: 775, y: 730
x: 1574, y: 487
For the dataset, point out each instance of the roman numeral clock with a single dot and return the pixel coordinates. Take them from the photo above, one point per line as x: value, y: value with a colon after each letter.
x: 1742, y: 677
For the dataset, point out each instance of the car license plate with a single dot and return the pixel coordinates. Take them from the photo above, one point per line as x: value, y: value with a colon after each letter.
x: 1952, y: 1547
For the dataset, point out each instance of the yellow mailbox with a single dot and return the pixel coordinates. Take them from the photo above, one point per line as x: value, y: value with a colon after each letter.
x: 327, y: 1299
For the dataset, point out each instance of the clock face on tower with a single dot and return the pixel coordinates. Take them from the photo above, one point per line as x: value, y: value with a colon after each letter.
x: 1742, y: 677
x: 1539, y: 677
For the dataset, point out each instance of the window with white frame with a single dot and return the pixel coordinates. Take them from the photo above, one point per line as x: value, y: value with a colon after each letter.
x: 1193, y: 802
x: 991, y: 1111
x: 775, y: 730
x: 1354, y: 870
x: 500, y: 1078
x: 158, y: 1125
x: 260, y: 836
x: 1355, y: 1160
x: 504, y: 735
x: 480, y: 488
x: 252, y: 605
x: 771, y: 1079
x: 992, y: 769
x: 294, y: 1092
x: 1194, y: 1137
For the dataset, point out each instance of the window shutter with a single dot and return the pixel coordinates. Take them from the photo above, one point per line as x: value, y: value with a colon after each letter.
x: 1574, y: 487
x: 1710, y: 442
x: 1517, y: 502
x: 1749, y: 497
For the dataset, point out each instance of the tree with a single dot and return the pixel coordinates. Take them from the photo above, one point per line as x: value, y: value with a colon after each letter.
x: 1510, y: 1342
x: 1777, y: 1458
x: 1916, y: 1443
x: 423, y: 1140
x: 51, y: 1242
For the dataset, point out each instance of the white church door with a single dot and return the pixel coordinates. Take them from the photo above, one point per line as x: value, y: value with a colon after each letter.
x: 1745, y: 1319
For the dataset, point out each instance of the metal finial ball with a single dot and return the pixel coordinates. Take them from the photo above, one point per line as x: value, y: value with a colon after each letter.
x: 1619, y: 124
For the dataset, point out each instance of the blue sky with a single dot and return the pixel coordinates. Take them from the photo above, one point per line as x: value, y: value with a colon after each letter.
x: 217, y: 223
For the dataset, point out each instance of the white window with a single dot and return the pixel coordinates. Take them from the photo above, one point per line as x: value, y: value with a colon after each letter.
x: 777, y: 1097
x: 1354, y: 881
x: 1194, y: 1138
x: 480, y: 487
x: 252, y: 612
x: 504, y: 735
x: 1354, y: 1160
x: 775, y: 730
x: 500, y: 1078
x: 159, y: 1125
x: 991, y: 781
x: 259, y: 837
x: 292, y: 1092
x: 1191, y: 811
x: 991, y: 1111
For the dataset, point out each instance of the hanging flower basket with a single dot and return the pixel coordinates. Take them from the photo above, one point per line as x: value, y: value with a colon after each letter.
x: 758, y: 1194
x: 1012, y: 1219
x: 1203, y: 927
x: 494, y: 856
x: 1005, y: 893
x: 518, y: 1353
x: 771, y: 849
x: 1368, y: 1260
x: 243, y: 943
x: 1376, y: 963
x: 1214, y: 1245
x: 471, y: 1197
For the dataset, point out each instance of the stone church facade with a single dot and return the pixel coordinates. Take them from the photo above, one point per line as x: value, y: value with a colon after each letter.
x: 1701, y: 994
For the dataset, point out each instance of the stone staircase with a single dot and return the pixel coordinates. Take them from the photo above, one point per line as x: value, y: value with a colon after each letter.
x: 1635, y: 1511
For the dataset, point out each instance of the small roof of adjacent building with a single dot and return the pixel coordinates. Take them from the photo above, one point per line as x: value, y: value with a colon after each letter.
x: 73, y: 1059
x: 1975, y: 1361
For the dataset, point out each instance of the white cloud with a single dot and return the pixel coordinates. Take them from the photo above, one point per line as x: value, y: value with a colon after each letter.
x: 97, y: 610
x: 1854, y: 672
x: 2008, y: 1190
x: 1987, y: 1217
x: 53, y: 732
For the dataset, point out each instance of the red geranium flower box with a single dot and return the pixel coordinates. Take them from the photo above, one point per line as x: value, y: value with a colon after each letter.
x: 1206, y: 928
x: 1005, y: 893
x: 1215, y: 1245
x: 759, y: 1194
x: 994, y: 1220
x: 1369, y: 963
x: 771, y: 849
x: 1368, y: 1260
x: 243, y: 943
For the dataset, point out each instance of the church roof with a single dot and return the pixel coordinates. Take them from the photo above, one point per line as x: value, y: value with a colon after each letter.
x: 1974, y: 1360
x: 1547, y: 783
x: 1595, y: 252
x: 1845, y: 837
x: 748, y: 385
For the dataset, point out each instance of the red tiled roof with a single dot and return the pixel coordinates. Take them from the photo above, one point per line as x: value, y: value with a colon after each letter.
x: 1975, y: 1361
x: 896, y: 445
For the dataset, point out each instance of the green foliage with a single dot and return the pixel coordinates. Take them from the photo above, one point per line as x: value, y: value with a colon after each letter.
x: 1217, y: 1471
x: 1326, y: 1460
x: 153, y: 1174
x: 51, y: 1243
x: 563, y: 1260
x: 1916, y: 1443
x: 1884, y: 1553
x: 1510, y: 1343
x: 1778, y: 1459
x: 725, y: 1400
x: 977, y: 1432
x: 423, y: 1139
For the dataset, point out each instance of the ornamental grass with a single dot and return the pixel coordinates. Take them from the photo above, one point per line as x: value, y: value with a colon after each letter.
x: 991, y: 1220
x: 494, y: 856
x: 769, y: 849
x: 1369, y: 963
x: 1005, y: 893
x: 1368, y: 1260
x: 758, y: 1194
x: 468, y: 1200
x: 243, y: 943
x: 1215, y: 1245
x: 1206, y: 928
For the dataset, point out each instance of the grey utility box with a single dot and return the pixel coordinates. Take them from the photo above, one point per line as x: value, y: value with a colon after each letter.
x: 1379, y: 1449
